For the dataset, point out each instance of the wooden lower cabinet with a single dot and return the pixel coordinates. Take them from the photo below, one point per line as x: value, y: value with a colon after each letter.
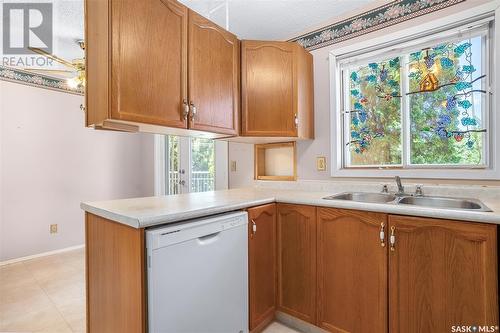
x: 115, y: 277
x: 352, y: 271
x: 297, y: 261
x: 262, y: 265
x: 442, y: 274
x: 326, y: 266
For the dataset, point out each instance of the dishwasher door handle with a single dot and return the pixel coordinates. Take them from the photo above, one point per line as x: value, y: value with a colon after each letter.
x: 209, y: 238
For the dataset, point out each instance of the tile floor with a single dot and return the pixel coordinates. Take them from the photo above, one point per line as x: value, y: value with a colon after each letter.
x: 48, y: 295
x: 44, y: 295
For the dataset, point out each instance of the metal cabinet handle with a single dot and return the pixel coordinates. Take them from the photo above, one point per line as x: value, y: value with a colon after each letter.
x: 382, y: 234
x: 254, y: 227
x: 182, y: 182
x: 193, y: 110
x: 185, y: 109
x: 392, y: 239
x: 296, y: 121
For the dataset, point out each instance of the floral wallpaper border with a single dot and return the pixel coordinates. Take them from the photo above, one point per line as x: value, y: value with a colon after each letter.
x: 384, y: 16
x: 36, y: 80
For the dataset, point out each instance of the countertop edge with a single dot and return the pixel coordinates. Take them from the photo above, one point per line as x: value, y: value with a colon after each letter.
x: 166, y: 218
x: 172, y: 218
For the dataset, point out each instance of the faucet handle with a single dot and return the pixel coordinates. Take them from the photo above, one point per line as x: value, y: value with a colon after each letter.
x: 385, y: 189
x: 419, y: 190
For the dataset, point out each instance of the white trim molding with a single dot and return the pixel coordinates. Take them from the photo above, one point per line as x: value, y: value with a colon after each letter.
x: 43, y: 254
x: 160, y: 165
x: 336, y: 131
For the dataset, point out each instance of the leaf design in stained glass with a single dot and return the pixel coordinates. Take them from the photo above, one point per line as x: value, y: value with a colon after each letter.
x: 468, y: 69
x: 446, y: 62
x: 393, y: 63
x: 354, y: 76
x: 466, y: 104
x: 469, y: 121
x: 460, y: 49
x: 371, y: 78
x: 463, y: 85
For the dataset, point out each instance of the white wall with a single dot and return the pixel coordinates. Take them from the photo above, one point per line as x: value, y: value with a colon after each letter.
x: 307, y: 151
x: 50, y: 162
x: 242, y: 154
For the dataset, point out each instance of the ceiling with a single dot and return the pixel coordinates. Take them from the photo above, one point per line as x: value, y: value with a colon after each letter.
x: 248, y: 19
x: 272, y: 19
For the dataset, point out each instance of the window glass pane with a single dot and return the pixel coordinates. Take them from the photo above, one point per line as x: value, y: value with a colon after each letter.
x: 447, y: 103
x: 202, y: 165
x: 374, y: 102
x: 173, y: 152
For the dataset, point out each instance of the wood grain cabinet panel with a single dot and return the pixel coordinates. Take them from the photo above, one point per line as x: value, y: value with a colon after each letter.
x: 214, y: 66
x: 115, y: 277
x: 277, y: 90
x: 352, y: 271
x: 262, y: 265
x: 147, y: 61
x: 149, y: 54
x: 297, y: 261
x: 442, y: 273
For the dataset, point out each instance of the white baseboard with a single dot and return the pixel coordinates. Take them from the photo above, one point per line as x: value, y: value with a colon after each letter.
x: 44, y: 254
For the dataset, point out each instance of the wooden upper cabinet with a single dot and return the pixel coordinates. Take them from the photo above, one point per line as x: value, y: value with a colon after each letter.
x: 277, y: 90
x: 442, y: 274
x: 352, y: 271
x: 147, y: 60
x: 214, y: 67
x: 262, y: 265
x: 297, y: 261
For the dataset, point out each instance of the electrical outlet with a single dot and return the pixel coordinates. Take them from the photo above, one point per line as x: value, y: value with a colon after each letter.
x: 233, y: 166
x: 53, y: 228
x: 321, y: 163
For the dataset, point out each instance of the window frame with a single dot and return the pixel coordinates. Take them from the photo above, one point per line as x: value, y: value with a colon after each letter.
x: 396, y: 44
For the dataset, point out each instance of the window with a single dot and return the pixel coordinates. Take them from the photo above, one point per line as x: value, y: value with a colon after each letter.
x: 422, y: 104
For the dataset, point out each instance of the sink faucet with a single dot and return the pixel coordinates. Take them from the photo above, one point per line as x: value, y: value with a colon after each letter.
x: 401, y: 189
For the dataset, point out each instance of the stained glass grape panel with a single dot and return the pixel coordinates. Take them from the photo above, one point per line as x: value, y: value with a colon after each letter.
x: 374, y: 114
x: 447, y: 103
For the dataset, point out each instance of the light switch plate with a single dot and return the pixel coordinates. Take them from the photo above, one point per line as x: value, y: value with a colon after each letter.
x: 53, y: 228
x: 233, y: 166
x: 321, y: 163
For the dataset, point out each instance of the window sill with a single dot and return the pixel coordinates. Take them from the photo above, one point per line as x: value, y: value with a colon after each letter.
x: 428, y: 173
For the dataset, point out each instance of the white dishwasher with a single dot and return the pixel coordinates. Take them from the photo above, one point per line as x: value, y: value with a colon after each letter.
x: 198, y: 276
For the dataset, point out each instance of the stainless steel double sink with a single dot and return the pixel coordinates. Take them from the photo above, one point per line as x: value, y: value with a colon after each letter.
x: 422, y: 201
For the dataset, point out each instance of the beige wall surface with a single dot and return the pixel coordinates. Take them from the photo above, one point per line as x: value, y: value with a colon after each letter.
x: 307, y: 151
x: 49, y: 163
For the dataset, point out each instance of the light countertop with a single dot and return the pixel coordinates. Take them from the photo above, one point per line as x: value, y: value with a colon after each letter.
x: 151, y: 211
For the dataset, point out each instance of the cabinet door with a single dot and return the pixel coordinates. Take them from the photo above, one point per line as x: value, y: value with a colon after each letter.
x: 214, y: 67
x: 297, y: 261
x: 149, y: 73
x: 269, y: 100
x: 352, y: 271
x: 442, y: 274
x: 262, y: 264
